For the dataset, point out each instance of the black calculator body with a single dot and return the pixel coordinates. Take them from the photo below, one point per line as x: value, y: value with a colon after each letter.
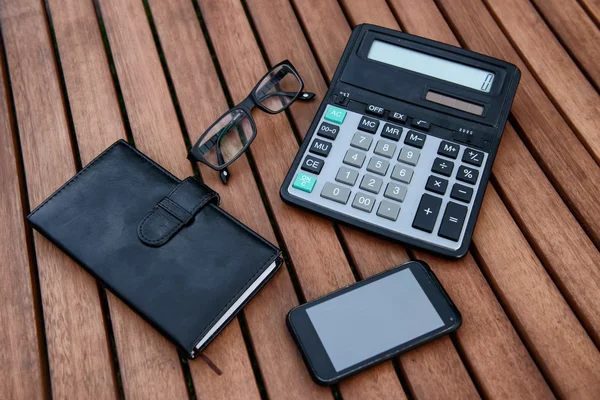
x: 404, y: 140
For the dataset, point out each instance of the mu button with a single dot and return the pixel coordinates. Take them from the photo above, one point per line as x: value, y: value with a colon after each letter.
x: 320, y: 147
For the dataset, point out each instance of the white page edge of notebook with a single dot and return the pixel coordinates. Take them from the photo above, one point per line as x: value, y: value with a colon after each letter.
x: 238, y: 303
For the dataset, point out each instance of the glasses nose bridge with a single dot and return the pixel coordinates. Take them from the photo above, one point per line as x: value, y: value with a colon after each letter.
x: 248, y: 104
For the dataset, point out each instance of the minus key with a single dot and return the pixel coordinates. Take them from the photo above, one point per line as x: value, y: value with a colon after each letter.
x: 461, y: 192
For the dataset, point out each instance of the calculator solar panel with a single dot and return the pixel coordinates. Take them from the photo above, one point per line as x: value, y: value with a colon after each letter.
x: 404, y: 140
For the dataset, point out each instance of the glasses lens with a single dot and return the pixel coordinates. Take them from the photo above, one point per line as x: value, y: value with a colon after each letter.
x: 226, y: 139
x: 278, y: 89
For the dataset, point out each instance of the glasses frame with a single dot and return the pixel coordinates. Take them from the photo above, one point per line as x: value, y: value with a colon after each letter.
x: 246, y: 106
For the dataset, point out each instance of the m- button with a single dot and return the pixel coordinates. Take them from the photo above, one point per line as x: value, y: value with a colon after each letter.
x: 415, y: 139
x: 371, y: 109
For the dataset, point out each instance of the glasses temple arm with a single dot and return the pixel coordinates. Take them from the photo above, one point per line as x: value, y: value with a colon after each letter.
x: 224, y: 174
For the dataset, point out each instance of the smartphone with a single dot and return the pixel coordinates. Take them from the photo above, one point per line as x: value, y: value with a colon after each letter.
x: 364, y: 324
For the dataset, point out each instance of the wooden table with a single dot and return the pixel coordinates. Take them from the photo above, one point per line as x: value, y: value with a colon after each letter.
x: 78, y: 75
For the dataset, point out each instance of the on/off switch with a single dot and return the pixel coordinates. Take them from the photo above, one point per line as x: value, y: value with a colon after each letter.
x: 374, y: 110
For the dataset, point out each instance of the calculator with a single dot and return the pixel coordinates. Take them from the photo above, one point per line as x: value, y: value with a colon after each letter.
x: 404, y: 140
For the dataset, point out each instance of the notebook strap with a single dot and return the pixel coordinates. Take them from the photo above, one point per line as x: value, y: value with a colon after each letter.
x: 175, y: 211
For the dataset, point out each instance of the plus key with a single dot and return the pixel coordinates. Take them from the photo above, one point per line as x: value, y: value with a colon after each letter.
x: 427, y: 213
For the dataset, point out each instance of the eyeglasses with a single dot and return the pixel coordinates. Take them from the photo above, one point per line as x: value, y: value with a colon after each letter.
x: 229, y: 137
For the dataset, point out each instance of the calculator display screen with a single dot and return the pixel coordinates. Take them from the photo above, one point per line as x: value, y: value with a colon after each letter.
x: 373, y: 318
x: 427, y: 64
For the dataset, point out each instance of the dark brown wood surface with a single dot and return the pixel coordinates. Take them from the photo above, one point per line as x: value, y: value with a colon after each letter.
x: 78, y: 75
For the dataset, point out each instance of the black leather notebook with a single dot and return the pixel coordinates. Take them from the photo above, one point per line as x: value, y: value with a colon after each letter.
x: 160, y: 244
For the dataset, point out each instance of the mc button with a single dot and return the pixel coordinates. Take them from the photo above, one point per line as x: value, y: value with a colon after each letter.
x: 368, y: 125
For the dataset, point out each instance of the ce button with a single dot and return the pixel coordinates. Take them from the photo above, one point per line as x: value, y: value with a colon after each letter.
x: 312, y: 164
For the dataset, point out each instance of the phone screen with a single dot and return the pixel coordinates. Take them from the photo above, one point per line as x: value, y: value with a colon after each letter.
x: 373, y: 318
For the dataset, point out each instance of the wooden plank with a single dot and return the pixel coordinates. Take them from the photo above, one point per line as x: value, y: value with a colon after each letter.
x: 555, y: 70
x: 316, y: 253
x: 370, y: 255
x: 377, y: 10
x: 556, y: 236
x: 283, y: 371
x: 22, y: 363
x: 576, y: 31
x: 483, y: 317
x: 567, y: 253
x: 157, y: 133
x: 560, y: 154
x: 537, y: 308
x: 593, y: 9
x: 72, y: 313
x: 97, y: 121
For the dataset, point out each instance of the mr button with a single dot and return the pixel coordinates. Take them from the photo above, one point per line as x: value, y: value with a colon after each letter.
x: 391, y: 132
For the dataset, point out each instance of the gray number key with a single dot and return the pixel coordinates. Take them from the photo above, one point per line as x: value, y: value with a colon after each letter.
x: 361, y: 141
x: 378, y: 165
x: 384, y: 148
x: 371, y: 183
x: 409, y: 155
x: 336, y: 193
x: 388, y: 210
x: 395, y: 192
x: 347, y: 176
x: 402, y: 173
x: 363, y: 202
x: 354, y: 158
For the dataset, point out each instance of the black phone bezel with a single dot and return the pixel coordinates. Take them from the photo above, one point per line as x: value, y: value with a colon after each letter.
x: 313, y: 352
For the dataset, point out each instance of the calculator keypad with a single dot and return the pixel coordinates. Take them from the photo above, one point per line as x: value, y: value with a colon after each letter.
x: 397, y: 178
